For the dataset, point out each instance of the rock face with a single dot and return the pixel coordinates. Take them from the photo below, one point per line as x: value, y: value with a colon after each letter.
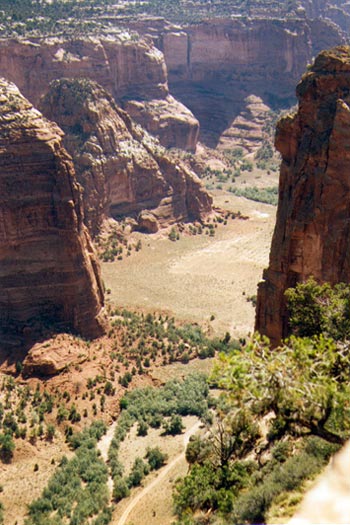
x: 313, y: 219
x: 247, y: 129
x: 48, y: 270
x: 328, y: 501
x: 130, y: 70
x: 122, y: 169
x: 213, y: 66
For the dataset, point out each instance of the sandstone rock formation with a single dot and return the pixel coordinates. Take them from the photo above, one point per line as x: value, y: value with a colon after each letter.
x: 215, y: 64
x: 129, y: 69
x: 313, y: 219
x: 122, y: 169
x: 48, y: 270
x: 53, y: 356
x: 247, y: 129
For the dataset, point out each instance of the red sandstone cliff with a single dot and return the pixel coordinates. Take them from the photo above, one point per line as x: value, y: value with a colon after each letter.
x: 48, y: 270
x: 133, y: 71
x: 122, y: 169
x: 312, y: 233
x: 215, y: 64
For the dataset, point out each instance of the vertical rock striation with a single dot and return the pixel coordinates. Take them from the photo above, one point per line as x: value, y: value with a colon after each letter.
x: 133, y: 71
x: 122, y: 169
x: 48, y: 270
x: 312, y: 233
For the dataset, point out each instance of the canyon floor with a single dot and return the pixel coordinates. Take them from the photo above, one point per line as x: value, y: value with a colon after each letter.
x: 202, y: 279
x: 199, y: 278
x: 205, y: 279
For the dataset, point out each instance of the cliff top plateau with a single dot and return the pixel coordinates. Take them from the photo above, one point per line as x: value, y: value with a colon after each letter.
x: 48, y: 271
x: 312, y: 230
x: 34, y: 16
x: 211, y: 55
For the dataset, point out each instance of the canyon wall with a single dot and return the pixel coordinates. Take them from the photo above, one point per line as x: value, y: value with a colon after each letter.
x: 123, y: 170
x: 214, y: 65
x: 312, y: 233
x: 129, y: 69
x: 48, y: 270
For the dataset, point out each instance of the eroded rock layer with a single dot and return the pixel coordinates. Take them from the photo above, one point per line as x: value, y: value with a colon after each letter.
x: 130, y: 70
x: 312, y: 233
x: 215, y: 64
x: 123, y: 170
x: 48, y: 270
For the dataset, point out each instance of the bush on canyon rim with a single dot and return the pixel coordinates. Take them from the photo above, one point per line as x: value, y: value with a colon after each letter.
x: 283, y: 413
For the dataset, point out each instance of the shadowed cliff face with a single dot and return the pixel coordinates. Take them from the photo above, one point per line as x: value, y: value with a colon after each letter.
x: 214, y: 65
x: 312, y: 234
x: 122, y: 169
x: 132, y: 71
x: 48, y: 270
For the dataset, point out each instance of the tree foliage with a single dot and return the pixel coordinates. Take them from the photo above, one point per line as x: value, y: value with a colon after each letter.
x: 304, y: 385
x: 316, y: 309
x: 283, y: 412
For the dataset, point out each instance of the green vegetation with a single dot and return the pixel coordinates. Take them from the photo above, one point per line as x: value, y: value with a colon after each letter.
x: 149, y: 338
x: 156, y: 458
x: 240, y: 469
x: 318, y: 308
x: 116, y: 245
x: 267, y: 195
x: 155, y: 407
x: 77, y: 493
x: 282, y: 414
x: 34, y: 17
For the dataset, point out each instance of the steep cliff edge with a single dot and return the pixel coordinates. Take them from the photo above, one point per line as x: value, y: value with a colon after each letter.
x: 312, y: 233
x: 123, y: 170
x: 130, y: 69
x: 48, y: 270
x: 215, y: 64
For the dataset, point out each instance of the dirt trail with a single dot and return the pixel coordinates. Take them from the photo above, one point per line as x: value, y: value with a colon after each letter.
x: 162, y: 474
x: 103, y: 446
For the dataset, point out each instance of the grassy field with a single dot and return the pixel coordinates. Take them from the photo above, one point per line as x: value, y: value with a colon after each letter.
x: 200, y: 278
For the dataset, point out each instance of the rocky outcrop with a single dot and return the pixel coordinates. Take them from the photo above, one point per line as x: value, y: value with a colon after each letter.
x: 129, y: 69
x: 122, y: 169
x: 53, y: 356
x: 247, y: 131
x: 312, y: 231
x: 328, y: 501
x: 48, y: 271
x: 214, y: 65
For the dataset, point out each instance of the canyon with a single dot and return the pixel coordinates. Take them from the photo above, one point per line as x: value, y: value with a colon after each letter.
x: 214, y: 65
x: 179, y: 80
x: 94, y: 154
x: 132, y: 71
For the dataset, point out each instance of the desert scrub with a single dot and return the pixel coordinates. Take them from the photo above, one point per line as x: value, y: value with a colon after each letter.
x: 77, y: 493
x: 146, y: 337
x: 155, y: 407
x: 267, y: 195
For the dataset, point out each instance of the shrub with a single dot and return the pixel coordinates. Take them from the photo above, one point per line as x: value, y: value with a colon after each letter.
x: 142, y: 428
x: 138, y: 471
x: 7, y: 447
x: 156, y: 458
x: 120, y: 490
x: 174, y: 426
